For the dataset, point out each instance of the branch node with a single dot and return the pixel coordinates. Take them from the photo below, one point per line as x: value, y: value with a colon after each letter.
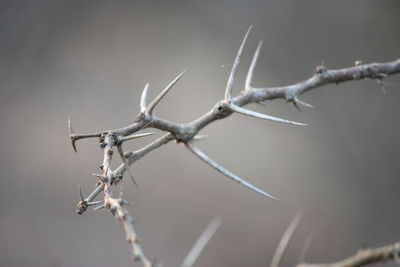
x: 320, y: 70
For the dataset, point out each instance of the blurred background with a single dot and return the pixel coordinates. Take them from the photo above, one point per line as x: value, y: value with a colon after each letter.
x: 89, y: 60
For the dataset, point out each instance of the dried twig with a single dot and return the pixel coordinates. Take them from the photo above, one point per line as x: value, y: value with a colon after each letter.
x: 186, y: 133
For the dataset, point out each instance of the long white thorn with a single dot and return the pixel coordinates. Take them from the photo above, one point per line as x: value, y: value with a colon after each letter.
x: 232, y: 75
x: 134, y: 136
x: 250, y: 73
x: 280, y: 249
x: 143, y: 98
x: 261, y: 116
x: 153, y: 103
x: 201, y: 243
x: 224, y: 171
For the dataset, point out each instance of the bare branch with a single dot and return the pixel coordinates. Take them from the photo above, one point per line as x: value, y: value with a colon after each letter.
x: 187, y: 132
x: 276, y: 259
x: 201, y: 243
x: 224, y: 171
x: 232, y: 75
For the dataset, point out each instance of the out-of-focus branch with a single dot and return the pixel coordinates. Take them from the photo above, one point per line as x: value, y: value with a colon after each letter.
x: 364, y: 257
x: 201, y: 243
x: 187, y: 133
x: 280, y: 249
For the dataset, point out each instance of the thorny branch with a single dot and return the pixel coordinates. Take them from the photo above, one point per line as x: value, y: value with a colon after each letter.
x: 187, y: 133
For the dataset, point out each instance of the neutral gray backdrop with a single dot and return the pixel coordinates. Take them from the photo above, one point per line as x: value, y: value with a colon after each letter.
x: 89, y: 60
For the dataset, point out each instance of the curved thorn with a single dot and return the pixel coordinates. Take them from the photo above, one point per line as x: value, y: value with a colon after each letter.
x: 76, y: 137
x: 277, y: 258
x: 80, y: 193
x: 201, y: 243
x: 134, y: 136
x: 232, y: 75
x: 262, y: 116
x: 224, y: 171
x: 155, y: 101
x: 250, y: 73
x: 121, y: 153
x: 143, y: 98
